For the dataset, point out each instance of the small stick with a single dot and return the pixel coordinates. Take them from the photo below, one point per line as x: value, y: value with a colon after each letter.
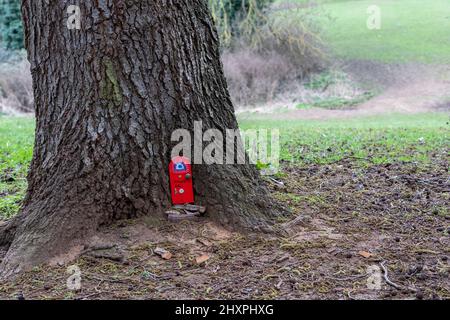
x: 386, y: 278
x: 276, y: 181
x: 93, y: 295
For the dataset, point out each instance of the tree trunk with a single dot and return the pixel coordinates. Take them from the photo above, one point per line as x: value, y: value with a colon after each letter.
x: 107, y: 99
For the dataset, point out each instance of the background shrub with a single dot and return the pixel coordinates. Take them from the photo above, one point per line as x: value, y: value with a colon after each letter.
x: 11, y: 30
x: 268, y: 47
x: 16, y: 87
x: 230, y: 15
x: 255, y: 78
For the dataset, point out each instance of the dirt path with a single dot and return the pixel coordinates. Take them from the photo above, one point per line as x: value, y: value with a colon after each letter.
x: 420, y: 94
x: 406, y: 89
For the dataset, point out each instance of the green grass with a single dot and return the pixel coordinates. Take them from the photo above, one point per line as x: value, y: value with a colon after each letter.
x: 411, y: 30
x: 16, y: 150
x: 369, y: 141
x: 321, y: 81
x: 336, y: 103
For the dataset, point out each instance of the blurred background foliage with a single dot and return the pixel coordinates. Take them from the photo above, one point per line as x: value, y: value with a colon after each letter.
x: 268, y: 46
x: 232, y: 17
x: 11, y: 31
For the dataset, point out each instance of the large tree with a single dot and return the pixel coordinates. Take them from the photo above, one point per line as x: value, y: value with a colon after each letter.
x: 108, y: 98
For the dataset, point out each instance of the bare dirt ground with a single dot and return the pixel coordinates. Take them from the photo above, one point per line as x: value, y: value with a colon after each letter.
x: 346, y: 221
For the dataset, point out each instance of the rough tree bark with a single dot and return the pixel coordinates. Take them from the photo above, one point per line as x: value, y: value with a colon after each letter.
x: 107, y: 99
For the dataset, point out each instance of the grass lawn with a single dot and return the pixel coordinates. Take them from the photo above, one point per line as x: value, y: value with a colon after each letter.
x: 374, y: 140
x: 370, y: 140
x: 411, y: 30
x: 16, y: 150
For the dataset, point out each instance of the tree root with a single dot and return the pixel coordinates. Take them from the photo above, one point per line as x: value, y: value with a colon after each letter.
x: 41, y: 232
x: 8, y: 231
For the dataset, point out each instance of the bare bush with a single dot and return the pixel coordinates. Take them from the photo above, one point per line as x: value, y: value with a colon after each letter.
x: 324, y: 89
x: 253, y: 77
x: 291, y: 31
x: 16, y: 88
x: 273, y: 49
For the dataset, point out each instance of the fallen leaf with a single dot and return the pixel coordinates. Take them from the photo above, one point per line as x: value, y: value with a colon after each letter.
x: 201, y: 259
x: 365, y: 254
x: 163, y: 253
x: 167, y: 256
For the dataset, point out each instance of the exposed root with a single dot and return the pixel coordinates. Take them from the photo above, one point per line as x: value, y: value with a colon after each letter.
x: 42, y: 231
x: 8, y: 231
